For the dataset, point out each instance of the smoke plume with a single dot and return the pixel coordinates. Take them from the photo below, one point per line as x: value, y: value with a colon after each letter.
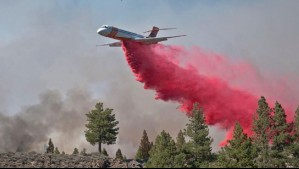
x: 163, y: 69
x: 61, y: 118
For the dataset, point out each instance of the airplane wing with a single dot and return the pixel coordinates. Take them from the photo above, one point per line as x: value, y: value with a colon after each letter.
x: 115, y: 44
x: 154, y: 40
x: 145, y: 41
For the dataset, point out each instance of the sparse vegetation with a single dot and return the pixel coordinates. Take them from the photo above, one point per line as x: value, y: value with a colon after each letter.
x: 104, y: 152
x: 119, y: 155
x: 75, y: 152
x: 50, y: 148
x: 56, y: 151
x: 83, y: 152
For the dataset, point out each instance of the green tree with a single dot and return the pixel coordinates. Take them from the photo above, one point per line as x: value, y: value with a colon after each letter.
x: 163, y: 152
x: 262, y: 131
x: 198, y: 148
x: 105, y: 152
x: 281, y: 137
x: 180, y: 141
x: 119, y: 155
x: 102, y: 126
x: 144, y: 147
x: 294, y: 148
x: 83, y: 152
x: 239, y: 152
x: 76, y: 151
x: 50, y: 148
x: 296, y: 124
x: 56, y: 151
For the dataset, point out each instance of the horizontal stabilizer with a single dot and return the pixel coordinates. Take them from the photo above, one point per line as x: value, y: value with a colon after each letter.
x: 159, y: 29
x: 115, y: 44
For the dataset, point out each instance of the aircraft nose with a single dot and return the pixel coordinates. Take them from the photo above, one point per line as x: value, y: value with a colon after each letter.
x: 100, y: 31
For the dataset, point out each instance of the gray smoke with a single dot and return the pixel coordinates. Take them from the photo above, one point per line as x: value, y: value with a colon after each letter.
x: 62, y: 118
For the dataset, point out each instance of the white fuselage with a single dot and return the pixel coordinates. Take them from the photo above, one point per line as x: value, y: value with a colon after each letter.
x: 123, y: 35
x: 116, y: 33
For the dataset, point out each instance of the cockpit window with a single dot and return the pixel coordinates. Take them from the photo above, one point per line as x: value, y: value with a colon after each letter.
x: 104, y: 26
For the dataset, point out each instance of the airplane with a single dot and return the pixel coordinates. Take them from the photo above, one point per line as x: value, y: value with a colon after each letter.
x: 123, y: 35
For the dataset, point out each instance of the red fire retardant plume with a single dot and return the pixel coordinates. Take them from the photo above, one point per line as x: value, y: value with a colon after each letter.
x: 158, y: 68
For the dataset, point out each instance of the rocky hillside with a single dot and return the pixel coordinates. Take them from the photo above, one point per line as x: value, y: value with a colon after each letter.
x: 36, y: 160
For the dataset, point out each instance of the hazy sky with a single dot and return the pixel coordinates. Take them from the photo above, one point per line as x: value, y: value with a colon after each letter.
x: 49, y: 45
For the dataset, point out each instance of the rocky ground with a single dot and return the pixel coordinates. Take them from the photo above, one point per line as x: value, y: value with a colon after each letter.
x: 36, y: 160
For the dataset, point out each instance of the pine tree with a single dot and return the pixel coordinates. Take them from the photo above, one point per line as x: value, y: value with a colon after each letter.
x: 119, y: 155
x: 296, y: 124
x: 180, y: 141
x: 281, y: 137
x: 261, y: 128
x: 199, y: 150
x: 181, y: 156
x: 294, y: 148
x: 50, y: 148
x: 105, y: 152
x: 101, y: 127
x: 83, y: 152
x: 76, y: 151
x: 163, y: 153
x: 239, y: 153
x: 152, y: 144
x: 56, y: 151
x: 20, y: 147
x: 144, y: 147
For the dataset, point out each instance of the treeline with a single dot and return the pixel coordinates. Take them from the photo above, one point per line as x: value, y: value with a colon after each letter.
x: 168, y: 153
x: 273, y: 144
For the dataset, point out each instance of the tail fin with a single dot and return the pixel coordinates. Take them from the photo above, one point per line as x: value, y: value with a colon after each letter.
x: 154, y: 32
